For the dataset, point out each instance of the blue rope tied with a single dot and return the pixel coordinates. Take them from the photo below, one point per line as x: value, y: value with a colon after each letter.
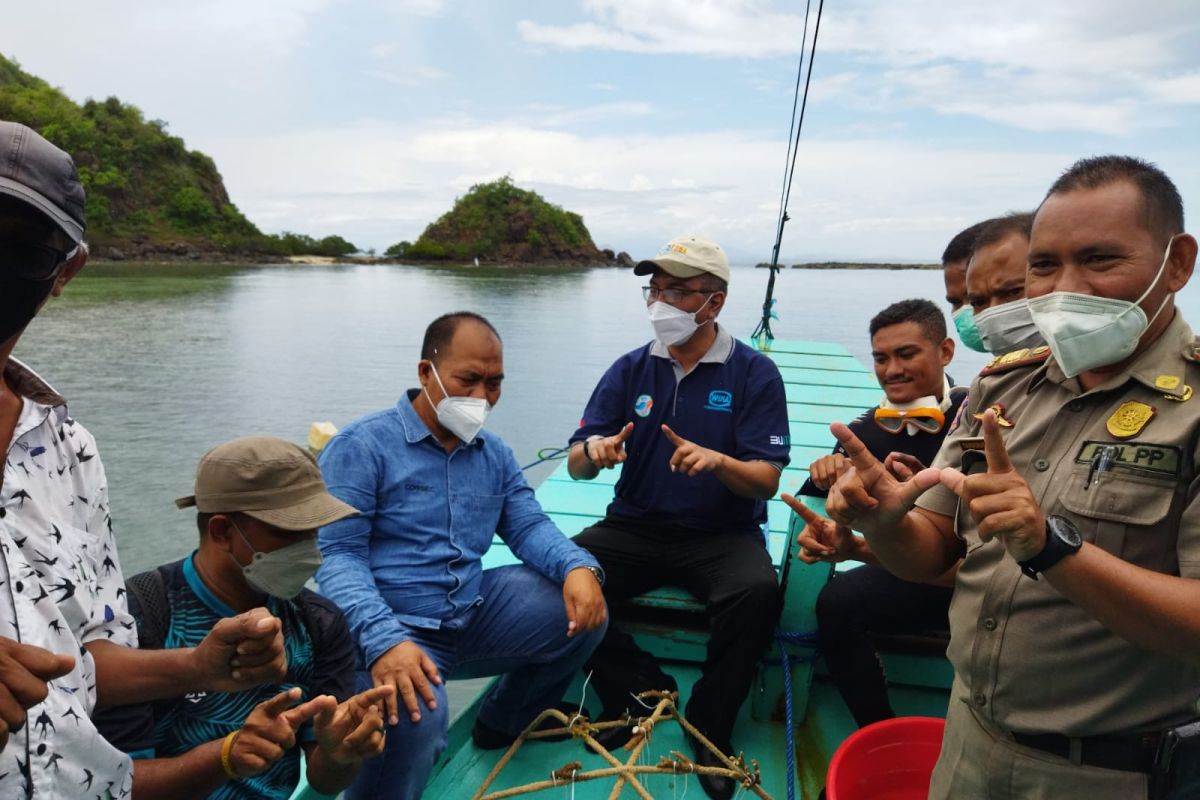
x: 803, y: 639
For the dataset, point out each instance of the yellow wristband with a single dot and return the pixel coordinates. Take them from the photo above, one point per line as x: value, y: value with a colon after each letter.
x: 226, y: 752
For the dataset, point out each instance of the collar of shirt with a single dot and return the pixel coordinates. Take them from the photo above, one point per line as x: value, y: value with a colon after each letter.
x: 1163, y: 357
x: 415, y: 428
x: 718, y: 352
x: 27, y: 383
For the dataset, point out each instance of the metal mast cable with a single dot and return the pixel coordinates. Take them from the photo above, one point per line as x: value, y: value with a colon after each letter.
x: 789, y: 165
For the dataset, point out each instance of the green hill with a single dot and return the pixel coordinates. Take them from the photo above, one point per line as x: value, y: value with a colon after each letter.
x: 501, y: 223
x: 147, y: 195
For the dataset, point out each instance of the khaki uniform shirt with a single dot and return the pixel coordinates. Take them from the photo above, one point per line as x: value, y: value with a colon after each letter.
x: 1026, y: 658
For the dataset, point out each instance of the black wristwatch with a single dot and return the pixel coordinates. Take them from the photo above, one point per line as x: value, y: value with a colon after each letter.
x: 586, y: 452
x: 599, y: 573
x: 1062, y: 540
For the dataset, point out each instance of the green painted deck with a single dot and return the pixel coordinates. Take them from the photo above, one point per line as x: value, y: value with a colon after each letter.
x: 824, y: 383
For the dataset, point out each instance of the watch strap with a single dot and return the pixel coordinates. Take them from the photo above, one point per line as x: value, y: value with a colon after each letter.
x: 1056, y: 549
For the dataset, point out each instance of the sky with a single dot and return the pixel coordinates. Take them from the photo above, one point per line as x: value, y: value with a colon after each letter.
x: 367, y: 118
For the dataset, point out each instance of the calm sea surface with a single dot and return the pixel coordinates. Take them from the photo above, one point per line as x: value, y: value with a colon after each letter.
x: 163, y: 362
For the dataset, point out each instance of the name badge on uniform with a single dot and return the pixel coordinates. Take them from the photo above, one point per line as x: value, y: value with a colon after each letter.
x: 1150, y: 460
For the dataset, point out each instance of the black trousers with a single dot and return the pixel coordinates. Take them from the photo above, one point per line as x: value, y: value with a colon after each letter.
x: 866, y: 600
x: 731, y: 573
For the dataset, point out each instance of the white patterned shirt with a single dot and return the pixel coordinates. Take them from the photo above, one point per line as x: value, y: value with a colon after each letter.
x: 60, y: 587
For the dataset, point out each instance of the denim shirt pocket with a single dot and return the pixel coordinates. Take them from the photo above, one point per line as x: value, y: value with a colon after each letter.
x: 473, y: 521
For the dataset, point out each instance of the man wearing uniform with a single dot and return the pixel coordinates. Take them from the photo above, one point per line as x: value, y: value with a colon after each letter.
x: 995, y: 284
x: 954, y: 274
x: 911, y: 350
x: 1075, y: 625
x: 700, y: 422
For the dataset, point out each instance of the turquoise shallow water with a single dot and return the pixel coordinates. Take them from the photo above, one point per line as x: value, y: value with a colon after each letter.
x: 162, y: 362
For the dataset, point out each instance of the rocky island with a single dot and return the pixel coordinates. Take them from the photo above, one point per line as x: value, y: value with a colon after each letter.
x: 502, y: 224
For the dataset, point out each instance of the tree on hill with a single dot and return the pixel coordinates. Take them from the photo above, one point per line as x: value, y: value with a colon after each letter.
x: 499, y: 221
x: 143, y: 185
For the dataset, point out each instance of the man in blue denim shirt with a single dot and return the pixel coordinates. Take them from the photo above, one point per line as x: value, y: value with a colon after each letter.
x: 432, y: 490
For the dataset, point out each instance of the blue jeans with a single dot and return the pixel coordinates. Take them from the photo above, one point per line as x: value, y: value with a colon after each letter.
x: 518, y: 631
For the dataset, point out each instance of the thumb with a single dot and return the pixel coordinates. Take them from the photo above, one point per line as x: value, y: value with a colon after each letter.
x: 625, y: 432
x: 256, y: 623
x: 305, y: 711
x: 953, y: 480
x: 675, y: 438
x: 918, y: 484
x: 324, y: 717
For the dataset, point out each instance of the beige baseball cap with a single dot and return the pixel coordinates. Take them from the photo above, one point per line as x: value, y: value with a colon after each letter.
x: 269, y: 479
x: 686, y: 257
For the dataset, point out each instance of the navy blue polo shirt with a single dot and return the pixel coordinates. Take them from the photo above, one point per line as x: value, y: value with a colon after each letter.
x: 732, y: 402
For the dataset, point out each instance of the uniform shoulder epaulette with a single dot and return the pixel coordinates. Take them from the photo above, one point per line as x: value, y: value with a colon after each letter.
x: 1025, y: 357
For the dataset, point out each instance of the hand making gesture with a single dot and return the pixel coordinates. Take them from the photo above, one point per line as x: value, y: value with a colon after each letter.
x: 270, y: 731
x: 1000, y: 499
x: 241, y: 652
x: 823, y: 539
x: 608, y: 451
x: 352, y: 732
x: 868, y: 497
x: 690, y: 458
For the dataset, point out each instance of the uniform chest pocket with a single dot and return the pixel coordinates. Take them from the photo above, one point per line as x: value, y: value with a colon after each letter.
x: 1122, y: 513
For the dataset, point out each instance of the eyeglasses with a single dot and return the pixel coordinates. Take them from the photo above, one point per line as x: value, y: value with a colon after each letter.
x: 34, y: 261
x: 929, y: 420
x: 670, y: 296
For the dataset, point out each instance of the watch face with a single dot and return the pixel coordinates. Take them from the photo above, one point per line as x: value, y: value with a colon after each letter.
x: 1064, y: 530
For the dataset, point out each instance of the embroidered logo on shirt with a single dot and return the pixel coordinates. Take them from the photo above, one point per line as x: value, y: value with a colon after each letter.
x: 784, y: 441
x: 642, y: 405
x: 720, y: 400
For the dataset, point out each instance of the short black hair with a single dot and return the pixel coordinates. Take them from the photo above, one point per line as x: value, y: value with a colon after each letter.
x: 998, y: 229
x: 441, y: 331
x: 1162, y: 206
x: 918, y: 310
x: 962, y: 244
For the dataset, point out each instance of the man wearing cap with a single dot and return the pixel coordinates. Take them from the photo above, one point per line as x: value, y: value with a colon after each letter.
x: 61, y: 587
x: 434, y: 490
x: 260, y: 501
x: 699, y: 422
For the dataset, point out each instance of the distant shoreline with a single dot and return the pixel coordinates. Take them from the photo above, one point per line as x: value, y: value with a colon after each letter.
x: 851, y: 265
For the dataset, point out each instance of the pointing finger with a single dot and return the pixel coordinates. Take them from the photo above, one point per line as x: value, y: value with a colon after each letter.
x: 625, y: 432
x: 674, y: 437
x: 858, y: 453
x: 993, y: 445
x: 809, y: 516
x: 280, y: 702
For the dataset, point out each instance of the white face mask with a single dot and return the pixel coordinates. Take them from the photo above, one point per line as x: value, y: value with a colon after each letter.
x: 1085, y: 332
x: 1007, y: 327
x: 281, y: 573
x: 462, y: 416
x: 673, y: 326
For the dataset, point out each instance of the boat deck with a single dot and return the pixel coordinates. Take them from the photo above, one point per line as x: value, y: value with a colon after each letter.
x: 824, y: 383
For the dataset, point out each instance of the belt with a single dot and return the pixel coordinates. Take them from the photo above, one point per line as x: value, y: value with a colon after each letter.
x: 1133, y: 752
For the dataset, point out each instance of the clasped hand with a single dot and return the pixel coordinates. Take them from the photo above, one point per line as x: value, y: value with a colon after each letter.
x: 241, y: 652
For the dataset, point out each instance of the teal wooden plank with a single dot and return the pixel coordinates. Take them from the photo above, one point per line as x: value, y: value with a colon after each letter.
x: 823, y: 414
x: 831, y: 378
x: 824, y: 395
x: 795, y: 346
x: 811, y: 361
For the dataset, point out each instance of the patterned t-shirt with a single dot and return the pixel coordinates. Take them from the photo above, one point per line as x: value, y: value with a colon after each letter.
x: 320, y: 659
x: 60, y: 587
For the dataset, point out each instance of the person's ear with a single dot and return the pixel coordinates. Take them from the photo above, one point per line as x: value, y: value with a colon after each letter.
x: 74, y: 264
x: 1181, y: 262
x: 947, y: 351
x: 221, y: 532
x: 717, y: 303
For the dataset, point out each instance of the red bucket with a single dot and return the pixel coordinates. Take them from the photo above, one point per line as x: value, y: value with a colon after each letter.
x: 888, y: 760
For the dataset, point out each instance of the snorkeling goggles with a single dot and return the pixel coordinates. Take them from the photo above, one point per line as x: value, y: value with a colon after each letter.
x: 928, y: 419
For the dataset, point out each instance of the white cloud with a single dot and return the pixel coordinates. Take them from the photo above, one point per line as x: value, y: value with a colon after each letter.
x: 415, y: 76
x: 868, y: 197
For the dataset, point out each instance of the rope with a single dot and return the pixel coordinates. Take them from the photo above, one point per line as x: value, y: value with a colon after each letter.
x: 805, y: 639
x: 747, y: 775
x: 789, y: 168
x: 548, y: 454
